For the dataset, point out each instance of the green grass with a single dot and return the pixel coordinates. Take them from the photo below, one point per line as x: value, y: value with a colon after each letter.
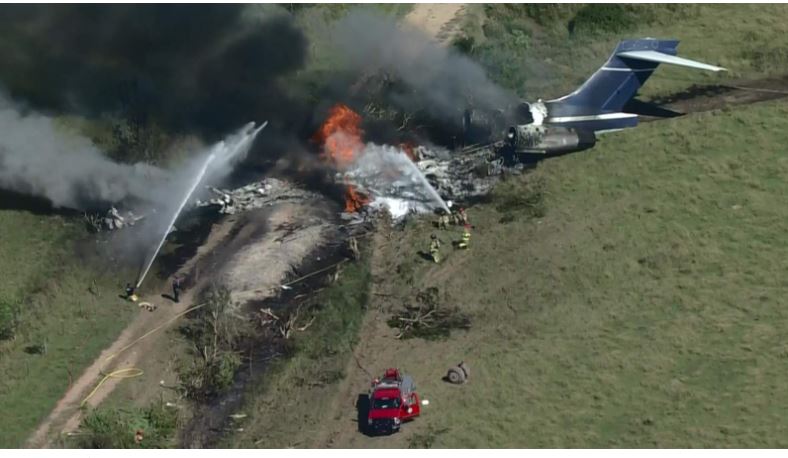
x: 50, y: 285
x: 296, y: 392
x: 644, y: 309
x: 536, y: 54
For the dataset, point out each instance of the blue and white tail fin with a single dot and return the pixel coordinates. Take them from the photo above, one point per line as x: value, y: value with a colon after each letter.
x: 599, y: 104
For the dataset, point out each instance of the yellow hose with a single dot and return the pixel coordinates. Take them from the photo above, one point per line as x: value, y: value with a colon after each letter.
x: 131, y: 372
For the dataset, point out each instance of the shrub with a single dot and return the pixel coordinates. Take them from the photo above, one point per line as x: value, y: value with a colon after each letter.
x: 116, y: 428
x: 215, y: 332
x: 9, y: 319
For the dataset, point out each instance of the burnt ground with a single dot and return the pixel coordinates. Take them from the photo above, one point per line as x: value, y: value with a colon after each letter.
x: 211, y: 420
x: 698, y: 98
x: 205, y: 251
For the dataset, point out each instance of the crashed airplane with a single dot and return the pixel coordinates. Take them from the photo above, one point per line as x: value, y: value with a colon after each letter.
x: 604, y: 103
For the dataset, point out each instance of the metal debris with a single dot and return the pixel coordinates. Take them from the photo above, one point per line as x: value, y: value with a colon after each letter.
x: 113, y: 220
x: 466, y: 175
x: 264, y: 193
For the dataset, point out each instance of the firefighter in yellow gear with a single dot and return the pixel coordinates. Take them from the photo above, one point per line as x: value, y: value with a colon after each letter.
x: 131, y: 293
x: 435, y: 248
x: 443, y: 221
x: 466, y: 238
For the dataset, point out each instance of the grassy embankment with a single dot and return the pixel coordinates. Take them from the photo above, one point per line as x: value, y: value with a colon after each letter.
x: 65, y: 312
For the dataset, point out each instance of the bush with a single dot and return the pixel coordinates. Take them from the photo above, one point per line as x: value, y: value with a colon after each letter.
x: 464, y: 44
x: 428, y: 319
x: 215, y: 331
x: 209, y: 375
x: 9, y: 319
x: 116, y: 428
x: 615, y: 18
x: 549, y: 13
x: 605, y: 17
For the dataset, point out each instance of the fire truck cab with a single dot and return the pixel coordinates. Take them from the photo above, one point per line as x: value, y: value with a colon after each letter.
x: 392, y: 401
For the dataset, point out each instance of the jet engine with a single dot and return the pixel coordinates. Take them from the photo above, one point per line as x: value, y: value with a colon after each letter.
x: 549, y: 140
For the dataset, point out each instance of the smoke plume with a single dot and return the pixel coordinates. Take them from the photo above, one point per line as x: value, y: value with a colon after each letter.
x: 437, y: 78
x: 206, y: 69
x: 38, y: 158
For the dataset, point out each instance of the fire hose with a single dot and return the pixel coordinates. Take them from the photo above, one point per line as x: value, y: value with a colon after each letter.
x: 131, y: 372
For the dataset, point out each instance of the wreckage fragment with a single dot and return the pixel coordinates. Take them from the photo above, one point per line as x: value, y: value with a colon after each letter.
x: 113, y: 220
x: 260, y: 194
x: 465, y: 175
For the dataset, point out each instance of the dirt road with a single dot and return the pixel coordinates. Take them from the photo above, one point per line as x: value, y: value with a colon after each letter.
x: 254, y: 250
x: 66, y: 414
x: 440, y: 20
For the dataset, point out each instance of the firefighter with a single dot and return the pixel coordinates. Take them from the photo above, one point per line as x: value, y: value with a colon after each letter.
x: 443, y: 221
x: 466, y: 238
x: 130, y: 294
x: 462, y: 217
x: 176, y: 288
x: 435, y: 248
x: 353, y: 248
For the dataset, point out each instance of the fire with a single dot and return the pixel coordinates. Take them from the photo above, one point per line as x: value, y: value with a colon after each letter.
x: 354, y: 200
x: 341, y: 139
x: 408, y: 148
x: 340, y: 136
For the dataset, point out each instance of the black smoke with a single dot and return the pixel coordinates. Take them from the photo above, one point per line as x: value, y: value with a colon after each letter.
x: 206, y: 69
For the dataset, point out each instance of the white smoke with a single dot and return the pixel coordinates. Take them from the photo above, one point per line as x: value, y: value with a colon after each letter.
x: 389, y: 176
x: 38, y: 158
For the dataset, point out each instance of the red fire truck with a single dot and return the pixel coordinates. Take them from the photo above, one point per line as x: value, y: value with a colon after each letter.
x: 392, y: 401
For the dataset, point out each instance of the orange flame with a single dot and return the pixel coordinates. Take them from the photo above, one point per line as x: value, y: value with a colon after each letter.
x: 354, y: 200
x: 408, y: 148
x: 340, y: 136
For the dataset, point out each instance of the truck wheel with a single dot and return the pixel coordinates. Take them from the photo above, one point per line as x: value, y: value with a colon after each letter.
x: 456, y: 375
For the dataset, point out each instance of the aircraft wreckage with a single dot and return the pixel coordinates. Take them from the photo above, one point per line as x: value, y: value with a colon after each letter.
x: 604, y: 103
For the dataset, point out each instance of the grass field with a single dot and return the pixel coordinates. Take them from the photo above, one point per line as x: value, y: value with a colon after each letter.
x: 643, y: 310
x: 68, y: 312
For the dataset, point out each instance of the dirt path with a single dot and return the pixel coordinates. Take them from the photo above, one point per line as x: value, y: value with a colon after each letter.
x: 440, y: 20
x: 251, y: 253
x: 67, y: 414
x: 340, y: 432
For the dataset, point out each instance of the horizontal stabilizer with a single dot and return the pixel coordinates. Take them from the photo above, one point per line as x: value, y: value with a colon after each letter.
x: 656, y: 56
x: 642, y: 108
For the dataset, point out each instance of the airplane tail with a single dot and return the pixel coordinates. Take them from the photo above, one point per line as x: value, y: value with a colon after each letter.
x: 608, y: 92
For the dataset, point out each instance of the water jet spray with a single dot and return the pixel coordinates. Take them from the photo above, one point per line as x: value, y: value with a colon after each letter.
x: 222, y: 155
